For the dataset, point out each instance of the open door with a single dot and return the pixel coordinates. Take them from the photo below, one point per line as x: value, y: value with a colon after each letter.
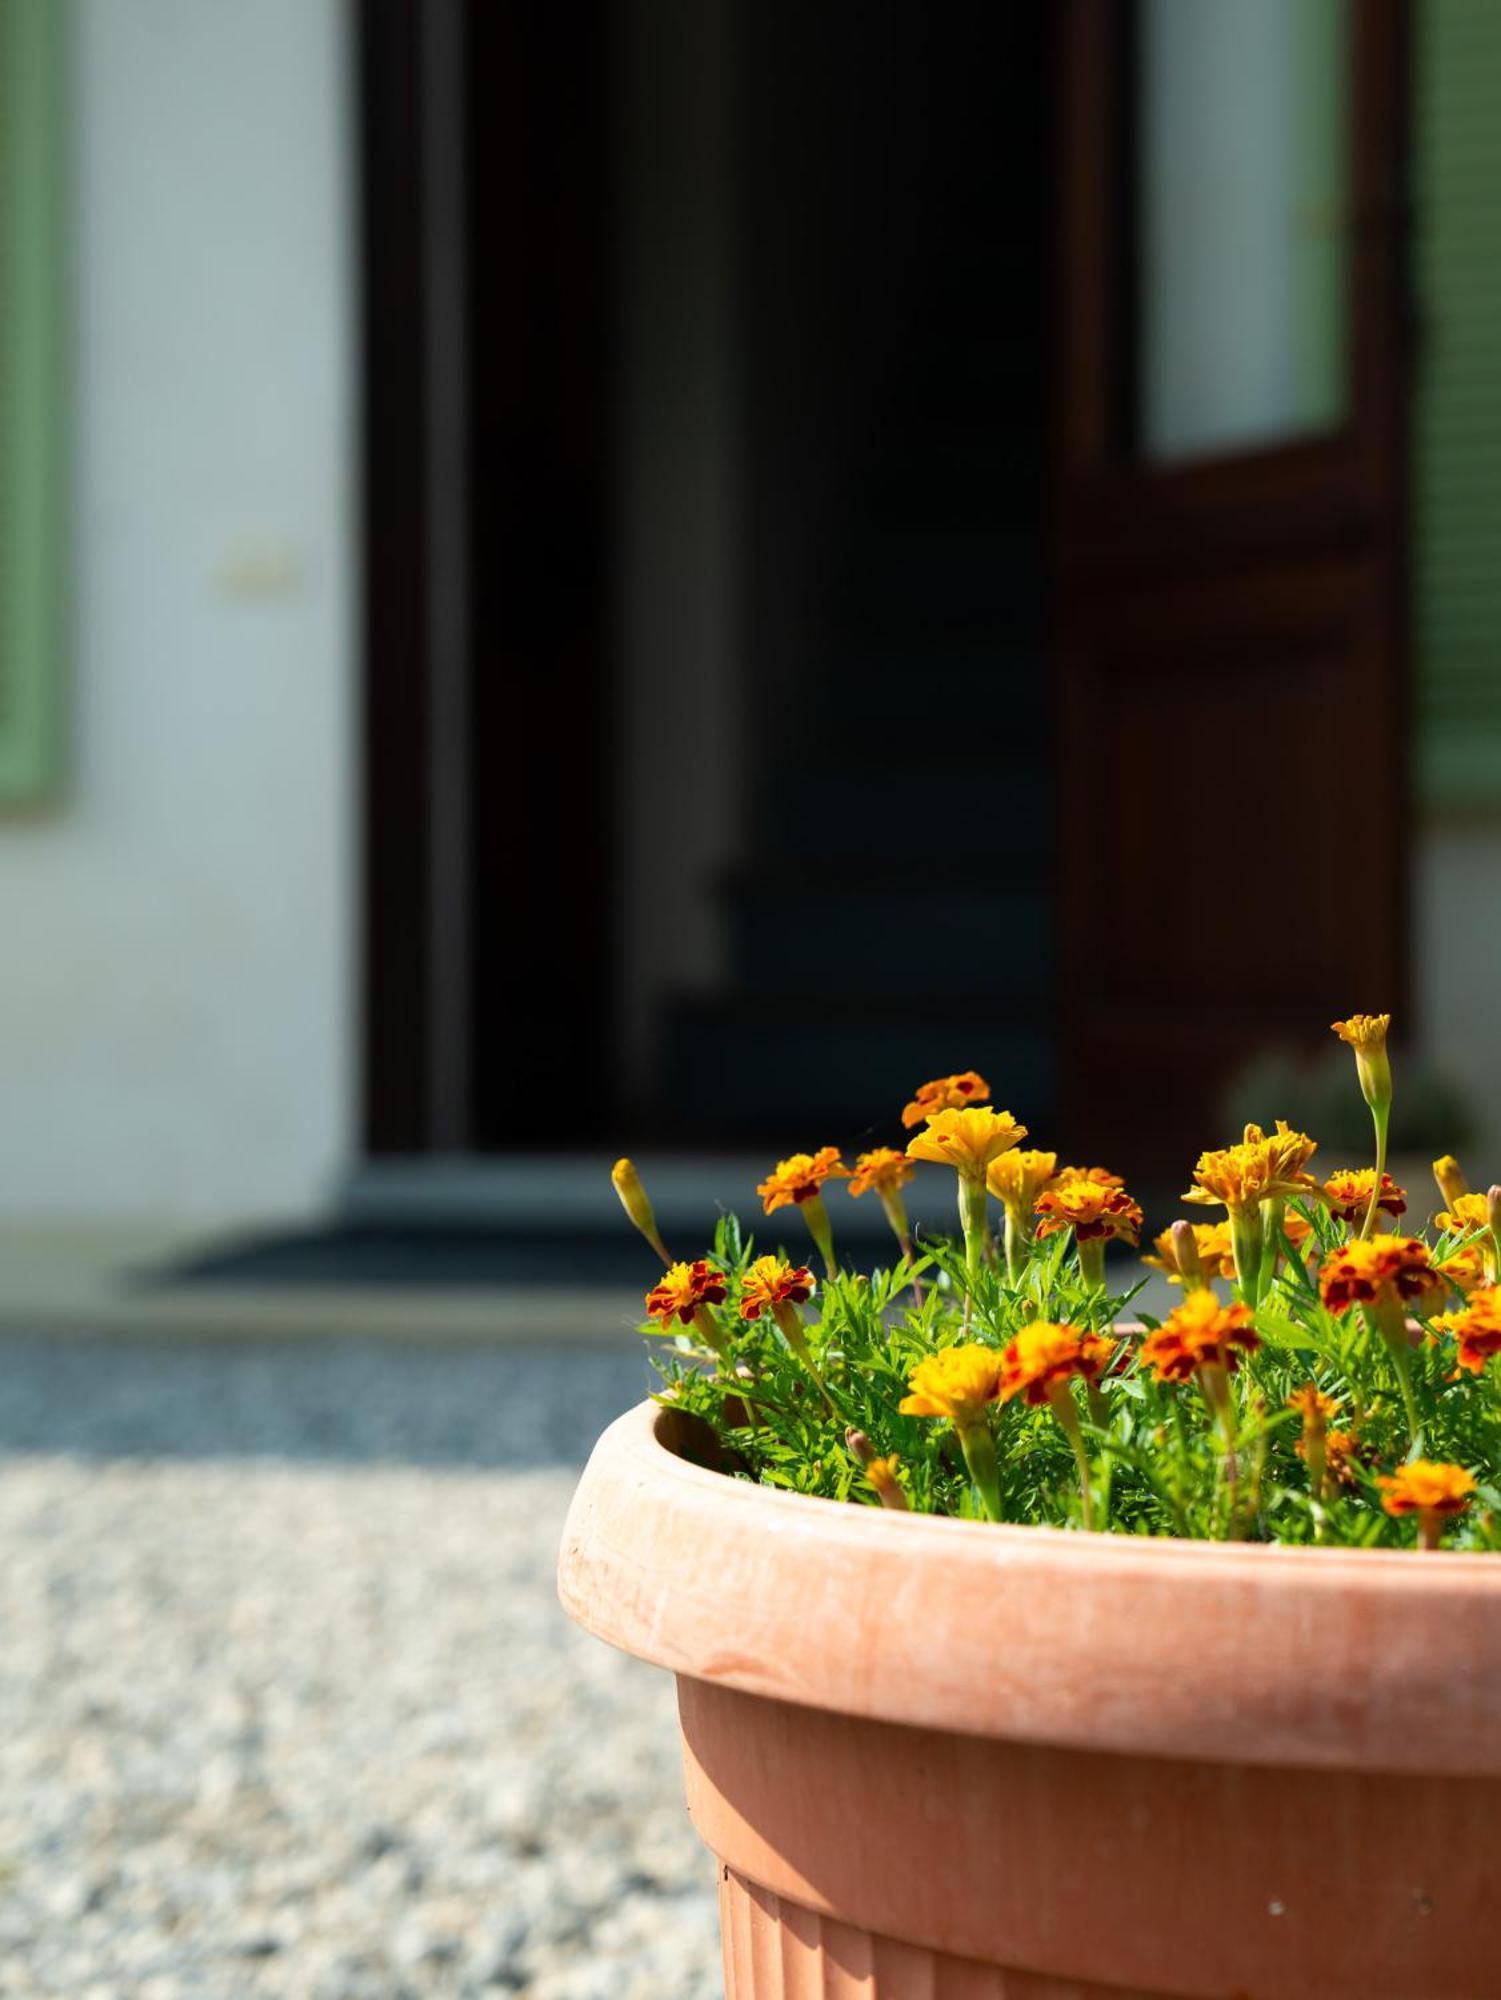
x: 1231, y: 543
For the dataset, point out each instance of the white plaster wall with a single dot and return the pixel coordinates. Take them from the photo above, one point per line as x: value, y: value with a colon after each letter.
x: 175, y: 1010
x: 1456, y: 973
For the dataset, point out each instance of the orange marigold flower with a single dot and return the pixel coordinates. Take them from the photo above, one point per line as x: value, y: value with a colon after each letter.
x: 1313, y: 1406
x: 956, y: 1382
x: 684, y: 1288
x: 1241, y: 1177
x: 1379, y: 1271
x: 1348, y: 1193
x: 1426, y: 1486
x: 1044, y: 1353
x: 770, y: 1283
x: 967, y: 1140
x: 1215, y: 1253
x: 1090, y: 1204
x: 1017, y: 1178
x: 1201, y: 1333
x: 885, y: 1170
x: 946, y: 1093
x: 1464, y: 1213
x: 801, y: 1176
x: 1477, y: 1329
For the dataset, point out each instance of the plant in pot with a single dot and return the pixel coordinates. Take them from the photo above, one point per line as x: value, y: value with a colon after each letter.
x: 1025, y: 1649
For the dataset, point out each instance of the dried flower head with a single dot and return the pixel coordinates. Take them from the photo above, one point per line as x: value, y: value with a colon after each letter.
x: 770, y: 1283
x: 1044, y: 1353
x: 1093, y: 1207
x: 1348, y: 1193
x: 683, y: 1290
x: 1426, y: 1486
x: 1381, y: 1271
x: 1343, y: 1452
x: 946, y: 1093
x: 884, y: 1169
x: 956, y: 1382
x: 966, y: 1140
x: 1241, y: 1177
x: 801, y: 1176
x: 1201, y: 1333
x: 1017, y: 1178
x: 1212, y: 1239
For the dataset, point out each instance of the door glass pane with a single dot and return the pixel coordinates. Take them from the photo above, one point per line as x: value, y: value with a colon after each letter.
x: 1242, y: 122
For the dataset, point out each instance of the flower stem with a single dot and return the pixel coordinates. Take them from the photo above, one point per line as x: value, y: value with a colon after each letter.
x: 978, y: 1447
x: 972, y: 1222
x: 1060, y: 1396
x: 1381, y: 1118
x: 1018, y: 1247
x: 1245, y: 1243
x: 1091, y: 1251
x: 817, y: 1218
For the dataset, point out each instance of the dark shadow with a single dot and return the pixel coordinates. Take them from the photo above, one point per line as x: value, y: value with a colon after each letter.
x: 343, y: 1401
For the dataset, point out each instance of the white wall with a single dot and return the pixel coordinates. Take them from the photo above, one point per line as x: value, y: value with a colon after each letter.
x: 176, y: 1004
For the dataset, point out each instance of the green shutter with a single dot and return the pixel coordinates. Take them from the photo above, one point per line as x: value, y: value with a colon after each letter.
x: 31, y: 38
x: 1457, y: 441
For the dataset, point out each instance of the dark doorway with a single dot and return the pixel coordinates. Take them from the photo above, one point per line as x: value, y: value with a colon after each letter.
x: 883, y: 911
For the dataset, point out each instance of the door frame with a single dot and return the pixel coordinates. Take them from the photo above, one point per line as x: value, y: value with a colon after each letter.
x: 451, y: 957
x: 1122, y: 529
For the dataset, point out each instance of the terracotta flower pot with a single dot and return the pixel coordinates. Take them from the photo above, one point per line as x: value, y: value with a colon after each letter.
x: 945, y: 1761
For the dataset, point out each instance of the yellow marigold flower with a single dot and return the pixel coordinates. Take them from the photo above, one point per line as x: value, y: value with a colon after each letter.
x: 1017, y: 1178
x: 1477, y: 1329
x: 1215, y: 1253
x: 1366, y: 1035
x: 956, y: 1382
x: 1348, y: 1193
x: 1426, y: 1486
x: 1093, y: 1207
x: 946, y: 1093
x: 1313, y: 1406
x: 1465, y: 1270
x: 1044, y: 1353
x: 885, y: 1170
x: 967, y: 1140
x: 801, y: 1176
x: 1464, y: 1213
x: 881, y: 1473
x: 770, y: 1283
x: 1241, y: 1177
x: 1201, y: 1333
x: 1365, y: 1032
x: 1382, y: 1270
x: 684, y: 1288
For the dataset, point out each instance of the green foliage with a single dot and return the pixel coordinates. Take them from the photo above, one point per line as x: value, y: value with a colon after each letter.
x: 1159, y: 1462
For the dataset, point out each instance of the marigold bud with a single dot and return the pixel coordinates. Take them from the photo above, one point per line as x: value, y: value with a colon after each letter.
x: 1452, y: 1184
x: 634, y: 1200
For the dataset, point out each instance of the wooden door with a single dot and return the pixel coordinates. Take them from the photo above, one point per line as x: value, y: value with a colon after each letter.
x: 1231, y: 603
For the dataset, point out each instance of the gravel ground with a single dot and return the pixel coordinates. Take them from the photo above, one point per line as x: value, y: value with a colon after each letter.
x: 287, y: 1705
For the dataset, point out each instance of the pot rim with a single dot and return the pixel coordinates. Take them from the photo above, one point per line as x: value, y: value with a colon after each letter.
x: 1236, y: 1652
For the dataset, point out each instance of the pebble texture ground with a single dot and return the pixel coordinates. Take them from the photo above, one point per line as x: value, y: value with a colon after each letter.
x: 287, y: 1706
